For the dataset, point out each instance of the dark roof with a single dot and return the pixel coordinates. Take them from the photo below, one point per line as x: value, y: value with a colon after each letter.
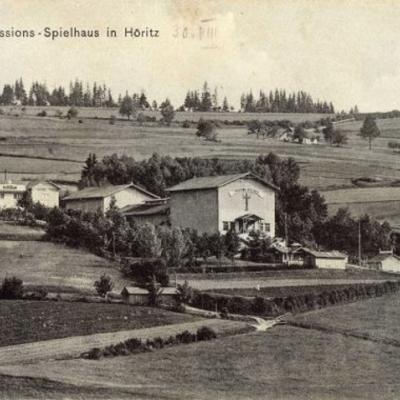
x: 325, y: 254
x: 127, y: 290
x: 145, y: 209
x: 212, y: 182
x: 251, y: 217
x: 104, y: 191
x: 382, y: 257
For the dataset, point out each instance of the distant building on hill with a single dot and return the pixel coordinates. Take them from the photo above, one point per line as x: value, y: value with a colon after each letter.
x: 243, y: 202
x: 46, y: 193
x: 99, y: 197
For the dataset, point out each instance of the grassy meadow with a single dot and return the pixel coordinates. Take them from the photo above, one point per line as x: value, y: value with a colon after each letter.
x: 379, y: 318
x: 284, y: 362
x: 47, y: 264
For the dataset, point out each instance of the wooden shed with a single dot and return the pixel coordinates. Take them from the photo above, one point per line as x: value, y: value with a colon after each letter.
x: 324, y: 259
x: 140, y: 297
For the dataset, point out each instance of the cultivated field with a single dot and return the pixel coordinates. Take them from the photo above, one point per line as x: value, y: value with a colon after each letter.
x: 283, y: 291
x: 63, y: 145
x: 90, y: 112
x: 55, y: 266
x: 383, y: 203
x: 23, y: 321
x: 282, y: 363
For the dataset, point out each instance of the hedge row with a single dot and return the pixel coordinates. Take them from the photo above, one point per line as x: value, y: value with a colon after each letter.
x: 134, y: 345
x: 271, y: 307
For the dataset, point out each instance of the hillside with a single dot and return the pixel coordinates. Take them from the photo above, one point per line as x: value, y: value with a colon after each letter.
x: 52, y: 148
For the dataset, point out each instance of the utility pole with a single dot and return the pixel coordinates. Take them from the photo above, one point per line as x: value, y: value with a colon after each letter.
x: 359, y: 242
x: 286, y: 232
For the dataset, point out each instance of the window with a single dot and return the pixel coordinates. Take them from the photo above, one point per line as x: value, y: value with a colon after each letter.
x: 225, y: 226
x: 1, y: 195
x: 232, y: 226
x: 267, y: 227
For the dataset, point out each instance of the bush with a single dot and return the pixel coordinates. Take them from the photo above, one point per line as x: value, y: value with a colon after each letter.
x: 186, y: 337
x: 42, y: 113
x: 94, y: 354
x: 133, y: 345
x: 113, y: 118
x: 11, y: 288
x: 186, y: 124
x: 72, y: 113
x: 103, y: 285
x: 205, y: 333
x: 142, y: 271
x: 184, y: 293
x: 258, y: 306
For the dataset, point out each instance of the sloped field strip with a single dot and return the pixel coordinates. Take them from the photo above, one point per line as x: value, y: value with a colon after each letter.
x: 208, y: 284
x: 376, y: 320
x: 74, y: 346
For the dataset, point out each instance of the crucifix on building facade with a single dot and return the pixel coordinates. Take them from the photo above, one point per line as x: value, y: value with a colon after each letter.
x: 246, y: 197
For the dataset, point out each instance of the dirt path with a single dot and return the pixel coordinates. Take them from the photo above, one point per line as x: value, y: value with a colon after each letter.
x: 74, y: 346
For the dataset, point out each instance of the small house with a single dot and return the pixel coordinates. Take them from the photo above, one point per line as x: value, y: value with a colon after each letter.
x: 99, y: 198
x: 45, y: 193
x: 323, y: 259
x: 385, y: 261
x: 10, y: 193
x: 140, y: 297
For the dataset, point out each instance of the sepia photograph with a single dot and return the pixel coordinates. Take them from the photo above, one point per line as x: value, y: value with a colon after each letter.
x: 199, y: 200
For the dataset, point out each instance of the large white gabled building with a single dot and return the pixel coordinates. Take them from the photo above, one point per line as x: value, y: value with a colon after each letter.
x: 243, y: 202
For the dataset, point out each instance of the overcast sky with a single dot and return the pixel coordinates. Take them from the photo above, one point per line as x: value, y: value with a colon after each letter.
x: 347, y: 52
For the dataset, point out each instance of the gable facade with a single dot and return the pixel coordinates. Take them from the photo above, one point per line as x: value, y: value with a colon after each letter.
x: 243, y: 204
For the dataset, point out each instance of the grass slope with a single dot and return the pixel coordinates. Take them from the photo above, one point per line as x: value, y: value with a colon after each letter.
x: 50, y: 264
x: 56, y: 140
x: 282, y: 363
x: 378, y: 317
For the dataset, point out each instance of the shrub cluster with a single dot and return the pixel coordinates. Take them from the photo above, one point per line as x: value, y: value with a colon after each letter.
x: 280, y: 305
x: 134, y: 345
x: 11, y: 288
x: 394, y: 145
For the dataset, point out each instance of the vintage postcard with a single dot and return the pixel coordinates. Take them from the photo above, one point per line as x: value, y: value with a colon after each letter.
x: 199, y: 199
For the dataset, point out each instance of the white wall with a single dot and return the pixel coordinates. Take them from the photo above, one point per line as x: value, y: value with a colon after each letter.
x: 391, y: 264
x: 331, y: 263
x: 46, y: 194
x: 232, y: 204
x: 9, y: 200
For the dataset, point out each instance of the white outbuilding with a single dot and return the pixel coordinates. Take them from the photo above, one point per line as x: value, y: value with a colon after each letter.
x: 99, y: 197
